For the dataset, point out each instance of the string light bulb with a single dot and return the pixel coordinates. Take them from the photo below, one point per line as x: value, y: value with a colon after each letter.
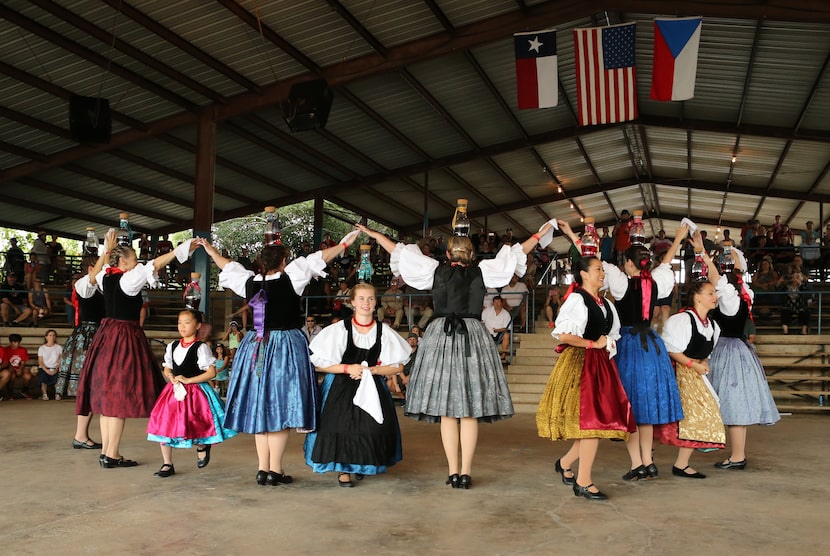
x: 734, y: 159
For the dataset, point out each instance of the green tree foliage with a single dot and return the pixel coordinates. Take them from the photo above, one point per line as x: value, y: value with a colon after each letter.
x: 297, y: 223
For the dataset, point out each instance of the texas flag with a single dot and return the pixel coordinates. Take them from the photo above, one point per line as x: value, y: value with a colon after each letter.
x: 537, y: 81
x: 676, y: 43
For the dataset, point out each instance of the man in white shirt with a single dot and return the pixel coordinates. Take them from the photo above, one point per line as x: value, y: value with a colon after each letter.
x: 391, y: 305
x: 515, y: 298
x: 497, y: 321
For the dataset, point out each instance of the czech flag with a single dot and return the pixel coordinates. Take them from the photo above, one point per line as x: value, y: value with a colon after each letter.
x: 676, y: 42
x: 537, y: 80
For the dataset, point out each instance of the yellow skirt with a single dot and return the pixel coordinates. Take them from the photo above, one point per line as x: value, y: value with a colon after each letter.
x: 561, y: 415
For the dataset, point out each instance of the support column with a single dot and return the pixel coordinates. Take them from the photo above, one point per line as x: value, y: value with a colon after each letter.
x: 203, y: 199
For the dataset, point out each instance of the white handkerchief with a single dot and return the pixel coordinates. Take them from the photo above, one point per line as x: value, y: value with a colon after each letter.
x: 545, y: 240
x: 692, y: 226
x: 349, y: 236
x: 367, y: 398
x: 179, y: 391
x: 710, y: 388
x: 611, y: 346
x: 183, y: 251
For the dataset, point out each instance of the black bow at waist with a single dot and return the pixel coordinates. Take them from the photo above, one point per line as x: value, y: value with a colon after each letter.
x: 454, y: 324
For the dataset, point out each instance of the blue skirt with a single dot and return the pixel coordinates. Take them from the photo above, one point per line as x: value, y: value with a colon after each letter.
x: 741, y: 383
x: 272, y: 385
x: 348, y: 439
x: 648, y: 378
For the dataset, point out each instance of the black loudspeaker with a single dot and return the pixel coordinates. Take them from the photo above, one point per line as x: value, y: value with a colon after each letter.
x: 90, y: 120
x: 308, y: 105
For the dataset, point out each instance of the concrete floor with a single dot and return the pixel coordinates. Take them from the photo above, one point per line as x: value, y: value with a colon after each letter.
x: 57, y: 500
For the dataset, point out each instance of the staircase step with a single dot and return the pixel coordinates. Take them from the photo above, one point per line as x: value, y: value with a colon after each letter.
x: 527, y: 378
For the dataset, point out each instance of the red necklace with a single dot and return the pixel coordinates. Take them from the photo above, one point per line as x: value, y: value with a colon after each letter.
x: 598, y: 299
x: 704, y: 322
x: 184, y: 344
x: 370, y: 323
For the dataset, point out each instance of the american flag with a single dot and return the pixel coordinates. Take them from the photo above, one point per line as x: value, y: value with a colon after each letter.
x: 605, y: 84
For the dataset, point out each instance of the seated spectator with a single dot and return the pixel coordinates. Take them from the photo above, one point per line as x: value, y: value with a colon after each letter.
x: 48, y: 362
x: 15, y: 302
x: 311, y: 328
x: 391, y: 304
x: 418, y: 308
x: 163, y: 246
x: 497, y: 321
x: 759, y: 252
x: 233, y: 336
x: 397, y: 383
x: 810, y: 248
x: 796, y: 308
x: 765, y: 280
x: 552, y: 303
x: 341, y: 306
x: 418, y: 331
x: 514, y: 297
x: 16, y: 374
x: 317, y: 294
x: 39, y: 302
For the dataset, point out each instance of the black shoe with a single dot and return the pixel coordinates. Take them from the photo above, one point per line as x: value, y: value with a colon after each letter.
x: 102, y: 459
x: 110, y: 463
x: 565, y: 480
x: 452, y: 480
x: 583, y: 491
x: 88, y: 445
x: 651, y: 471
x: 682, y: 473
x: 165, y: 470
x: 261, y: 476
x: 202, y: 462
x: 344, y: 484
x: 274, y: 478
x: 729, y: 464
x: 465, y: 482
x: 359, y: 476
x: 636, y: 474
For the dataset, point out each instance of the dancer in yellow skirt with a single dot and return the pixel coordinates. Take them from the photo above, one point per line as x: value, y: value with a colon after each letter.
x: 584, y: 399
x: 690, y: 337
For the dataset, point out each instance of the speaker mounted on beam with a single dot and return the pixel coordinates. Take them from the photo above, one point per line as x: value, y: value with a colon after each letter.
x: 308, y: 105
x: 90, y: 120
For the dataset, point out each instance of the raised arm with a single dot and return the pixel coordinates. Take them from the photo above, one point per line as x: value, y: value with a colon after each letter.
x: 387, y: 244
x: 212, y: 252
x: 110, y: 241
x: 566, y: 229
x: 530, y: 243
x: 679, y: 237
x: 331, y: 252
x: 714, y: 275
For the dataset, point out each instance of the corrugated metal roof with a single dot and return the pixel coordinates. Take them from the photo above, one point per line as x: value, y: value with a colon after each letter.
x: 409, y: 99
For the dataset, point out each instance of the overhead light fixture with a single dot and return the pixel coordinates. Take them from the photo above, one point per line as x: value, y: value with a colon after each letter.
x: 559, y: 190
x: 734, y: 159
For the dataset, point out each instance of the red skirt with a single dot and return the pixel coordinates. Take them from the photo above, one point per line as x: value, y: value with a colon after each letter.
x: 120, y: 377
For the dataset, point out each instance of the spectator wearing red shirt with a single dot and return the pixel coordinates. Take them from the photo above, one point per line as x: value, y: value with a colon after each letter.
x: 15, y: 371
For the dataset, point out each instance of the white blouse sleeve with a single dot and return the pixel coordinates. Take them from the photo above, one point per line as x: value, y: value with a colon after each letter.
x: 84, y: 288
x: 616, y: 281
x: 168, y: 356
x: 572, y: 317
x: 205, y: 357
x: 664, y: 278
x: 302, y: 269
x: 394, y: 350
x: 677, y: 333
x: 133, y: 281
x: 729, y: 302
x: 234, y: 277
x: 498, y: 271
x: 417, y: 269
x: 327, y: 347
